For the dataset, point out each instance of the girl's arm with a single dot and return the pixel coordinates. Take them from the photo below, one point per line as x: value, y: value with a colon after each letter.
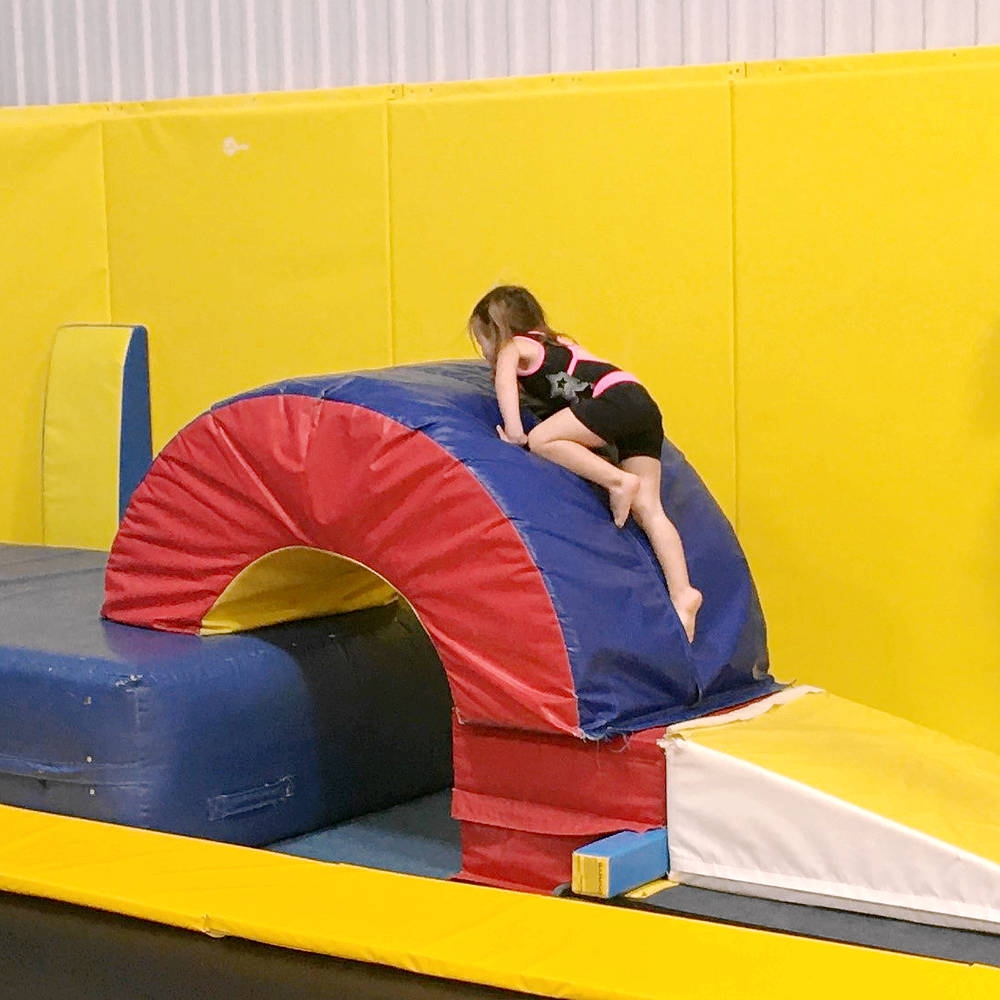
x: 508, y: 396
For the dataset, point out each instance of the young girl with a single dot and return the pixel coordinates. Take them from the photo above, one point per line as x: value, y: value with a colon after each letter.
x: 588, y: 403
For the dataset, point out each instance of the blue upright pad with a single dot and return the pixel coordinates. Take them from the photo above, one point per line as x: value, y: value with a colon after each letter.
x: 245, y: 738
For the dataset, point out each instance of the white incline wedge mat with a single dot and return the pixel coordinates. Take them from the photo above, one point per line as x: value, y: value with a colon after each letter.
x: 806, y: 797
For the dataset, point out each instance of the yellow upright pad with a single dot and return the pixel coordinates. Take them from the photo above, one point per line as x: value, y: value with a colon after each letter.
x: 83, y: 406
x: 537, y: 944
x: 292, y: 583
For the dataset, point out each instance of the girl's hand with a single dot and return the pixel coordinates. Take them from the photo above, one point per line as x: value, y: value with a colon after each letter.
x: 521, y: 440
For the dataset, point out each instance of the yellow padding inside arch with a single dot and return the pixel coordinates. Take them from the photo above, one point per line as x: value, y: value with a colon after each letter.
x: 537, y: 944
x: 292, y: 583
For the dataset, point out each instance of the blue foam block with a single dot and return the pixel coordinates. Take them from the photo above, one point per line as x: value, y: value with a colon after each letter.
x: 246, y: 738
x: 618, y: 863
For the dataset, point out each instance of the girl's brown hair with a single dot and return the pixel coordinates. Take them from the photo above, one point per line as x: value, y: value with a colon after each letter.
x: 503, y: 313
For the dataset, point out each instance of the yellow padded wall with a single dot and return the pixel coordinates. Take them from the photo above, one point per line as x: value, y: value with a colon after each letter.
x: 867, y: 344
x: 612, y: 202
x: 252, y: 242
x: 53, y: 256
x: 868, y: 360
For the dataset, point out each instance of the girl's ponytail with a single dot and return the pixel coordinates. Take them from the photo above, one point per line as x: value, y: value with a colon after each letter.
x: 499, y: 314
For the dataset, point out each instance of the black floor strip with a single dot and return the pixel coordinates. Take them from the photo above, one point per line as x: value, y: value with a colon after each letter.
x: 886, y: 933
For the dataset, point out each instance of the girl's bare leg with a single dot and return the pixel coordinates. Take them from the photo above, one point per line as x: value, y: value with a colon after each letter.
x: 564, y: 440
x: 648, y: 511
x: 635, y: 487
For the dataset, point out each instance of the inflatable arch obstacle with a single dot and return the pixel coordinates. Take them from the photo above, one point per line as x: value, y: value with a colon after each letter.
x: 353, y: 481
x: 563, y: 653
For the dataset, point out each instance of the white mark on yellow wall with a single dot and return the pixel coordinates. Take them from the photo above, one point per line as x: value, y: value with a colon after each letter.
x: 231, y: 147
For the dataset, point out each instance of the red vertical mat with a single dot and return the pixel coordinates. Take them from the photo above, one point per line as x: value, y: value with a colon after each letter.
x: 528, y: 800
x: 515, y: 859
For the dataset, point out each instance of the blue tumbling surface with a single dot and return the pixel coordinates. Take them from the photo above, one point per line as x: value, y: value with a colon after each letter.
x: 416, y: 838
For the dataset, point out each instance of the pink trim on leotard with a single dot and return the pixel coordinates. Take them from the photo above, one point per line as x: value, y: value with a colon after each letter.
x: 612, y: 378
x: 578, y: 355
x: 524, y: 372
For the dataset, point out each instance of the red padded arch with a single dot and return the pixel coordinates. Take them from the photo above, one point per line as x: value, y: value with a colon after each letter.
x: 280, y: 470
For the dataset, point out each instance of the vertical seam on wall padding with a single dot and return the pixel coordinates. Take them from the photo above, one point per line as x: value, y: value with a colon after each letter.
x: 41, y: 454
x: 734, y: 301
x: 107, y: 220
x: 389, y: 248
x: 109, y: 313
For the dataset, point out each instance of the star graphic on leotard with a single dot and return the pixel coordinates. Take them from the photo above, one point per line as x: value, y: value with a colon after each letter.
x: 565, y: 385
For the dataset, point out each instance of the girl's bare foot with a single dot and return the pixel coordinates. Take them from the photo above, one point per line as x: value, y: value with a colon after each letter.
x: 687, y: 605
x: 621, y: 497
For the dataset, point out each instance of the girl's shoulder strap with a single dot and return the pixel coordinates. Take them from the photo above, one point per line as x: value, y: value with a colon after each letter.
x: 531, y: 351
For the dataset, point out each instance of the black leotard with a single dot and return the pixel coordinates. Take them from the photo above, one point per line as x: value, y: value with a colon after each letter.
x: 606, y: 400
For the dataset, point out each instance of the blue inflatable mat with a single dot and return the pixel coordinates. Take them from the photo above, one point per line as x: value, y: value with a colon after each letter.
x: 245, y: 738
